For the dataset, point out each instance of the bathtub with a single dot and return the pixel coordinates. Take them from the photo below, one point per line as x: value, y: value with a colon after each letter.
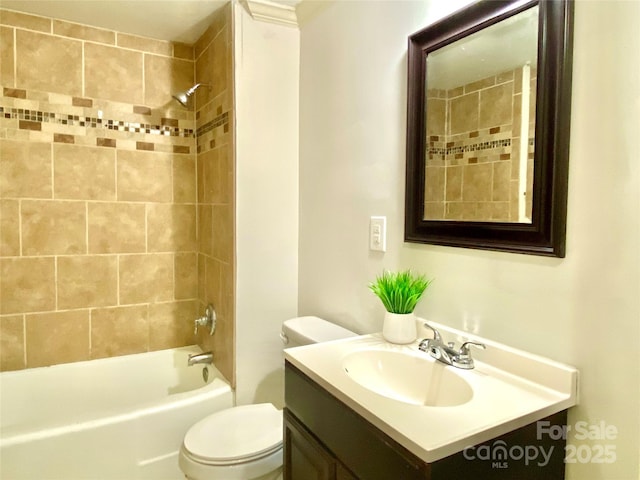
x: 118, y: 418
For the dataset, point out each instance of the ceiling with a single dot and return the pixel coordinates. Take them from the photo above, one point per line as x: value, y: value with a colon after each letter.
x: 174, y: 20
x: 511, y: 43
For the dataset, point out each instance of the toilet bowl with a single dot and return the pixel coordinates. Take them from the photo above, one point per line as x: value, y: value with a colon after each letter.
x: 240, y: 443
x: 245, y: 442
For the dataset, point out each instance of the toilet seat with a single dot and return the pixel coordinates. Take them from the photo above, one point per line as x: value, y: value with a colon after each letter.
x: 235, y: 436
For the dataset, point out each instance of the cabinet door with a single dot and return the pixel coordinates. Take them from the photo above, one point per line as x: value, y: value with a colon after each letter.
x: 343, y: 474
x: 304, y: 457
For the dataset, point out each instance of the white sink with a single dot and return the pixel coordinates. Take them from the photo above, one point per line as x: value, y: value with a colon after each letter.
x: 432, y: 409
x: 410, y: 378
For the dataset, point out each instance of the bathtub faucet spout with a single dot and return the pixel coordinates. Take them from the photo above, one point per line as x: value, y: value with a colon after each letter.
x: 206, y: 357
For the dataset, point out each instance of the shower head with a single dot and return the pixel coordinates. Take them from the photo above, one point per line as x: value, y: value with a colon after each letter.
x: 183, y: 97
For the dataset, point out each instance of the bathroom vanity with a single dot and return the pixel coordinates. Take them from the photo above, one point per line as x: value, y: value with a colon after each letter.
x: 344, y: 420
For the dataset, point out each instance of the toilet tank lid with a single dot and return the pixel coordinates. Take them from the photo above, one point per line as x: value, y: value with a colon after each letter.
x: 311, y: 329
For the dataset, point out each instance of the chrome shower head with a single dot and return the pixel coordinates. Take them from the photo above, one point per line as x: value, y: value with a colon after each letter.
x: 183, y: 97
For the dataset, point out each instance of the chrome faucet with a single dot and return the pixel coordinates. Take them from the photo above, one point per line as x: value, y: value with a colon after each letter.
x: 447, y: 353
x: 206, y: 357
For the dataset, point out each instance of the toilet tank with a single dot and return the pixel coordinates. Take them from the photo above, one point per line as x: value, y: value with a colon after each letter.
x: 307, y: 330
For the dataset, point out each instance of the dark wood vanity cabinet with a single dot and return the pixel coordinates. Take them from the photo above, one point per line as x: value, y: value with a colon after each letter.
x: 325, y: 440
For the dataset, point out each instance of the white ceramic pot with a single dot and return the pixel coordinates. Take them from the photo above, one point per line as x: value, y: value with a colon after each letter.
x: 399, y: 327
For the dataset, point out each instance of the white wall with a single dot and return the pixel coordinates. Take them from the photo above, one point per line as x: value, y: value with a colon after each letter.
x: 583, y: 310
x: 266, y: 89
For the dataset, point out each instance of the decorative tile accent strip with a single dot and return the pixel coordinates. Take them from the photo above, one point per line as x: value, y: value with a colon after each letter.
x: 181, y: 149
x: 216, y: 122
x: 450, y: 148
x: 169, y: 122
x: 82, y: 102
x: 145, y: 146
x: 141, y: 110
x: 105, y: 142
x: 14, y: 93
x: 63, y: 138
x: 37, y: 117
x: 28, y: 125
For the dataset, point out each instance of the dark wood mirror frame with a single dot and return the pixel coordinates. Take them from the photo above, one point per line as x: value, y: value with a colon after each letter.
x: 545, y: 235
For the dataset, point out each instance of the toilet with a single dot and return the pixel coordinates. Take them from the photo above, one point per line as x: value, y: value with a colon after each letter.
x: 245, y: 442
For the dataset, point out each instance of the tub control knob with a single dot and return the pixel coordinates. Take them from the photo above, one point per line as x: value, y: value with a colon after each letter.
x: 207, y: 320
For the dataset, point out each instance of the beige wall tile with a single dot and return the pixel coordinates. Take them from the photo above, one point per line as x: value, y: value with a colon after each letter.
x: 201, y: 278
x: 222, y: 223
x: 83, y: 32
x: 53, y: 227
x: 57, y: 337
x: 144, y: 176
x: 224, y: 340
x: 184, y: 178
x: 84, y: 173
x: 116, y: 228
x: 205, y: 230
x: 171, y: 228
x: 211, y: 69
x: 145, y: 44
x: 482, y: 83
x: 434, y: 184
x: 164, y: 76
x: 119, y: 331
x: 146, y: 278
x: 7, y: 76
x: 25, y: 169
x: 501, y: 190
x: 23, y: 20
x: 477, y: 182
x: 454, y: 211
x: 9, y: 228
x: 464, y: 113
x: 27, y: 285
x: 171, y: 324
x: 87, y: 281
x: 12, y: 343
x: 212, y: 282
x: 182, y: 50
x: 205, y: 39
x: 496, y: 105
x: 436, y: 116
x: 113, y: 73
x: 215, y: 188
x: 45, y: 62
x: 434, y: 210
x: 453, y: 184
x: 186, y: 275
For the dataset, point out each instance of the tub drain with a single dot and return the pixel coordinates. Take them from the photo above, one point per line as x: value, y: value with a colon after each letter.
x: 205, y: 374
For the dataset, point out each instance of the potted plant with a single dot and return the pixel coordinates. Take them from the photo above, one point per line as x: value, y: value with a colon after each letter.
x: 399, y: 293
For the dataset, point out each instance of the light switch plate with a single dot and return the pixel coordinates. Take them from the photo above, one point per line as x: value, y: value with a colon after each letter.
x: 378, y: 234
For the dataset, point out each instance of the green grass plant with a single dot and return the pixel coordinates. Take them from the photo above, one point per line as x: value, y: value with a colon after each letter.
x: 399, y: 291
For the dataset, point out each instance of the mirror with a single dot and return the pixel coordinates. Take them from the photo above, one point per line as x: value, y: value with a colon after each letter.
x: 488, y: 128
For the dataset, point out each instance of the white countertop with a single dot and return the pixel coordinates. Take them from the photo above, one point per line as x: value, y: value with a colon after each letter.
x: 511, y: 389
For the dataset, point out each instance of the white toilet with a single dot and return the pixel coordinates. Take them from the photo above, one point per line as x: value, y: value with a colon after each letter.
x: 245, y: 442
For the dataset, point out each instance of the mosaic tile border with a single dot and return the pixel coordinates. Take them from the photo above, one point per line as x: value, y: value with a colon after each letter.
x: 475, y: 147
x: 218, y: 121
x: 38, y: 116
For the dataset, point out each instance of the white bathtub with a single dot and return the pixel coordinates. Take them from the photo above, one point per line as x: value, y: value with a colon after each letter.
x: 118, y: 418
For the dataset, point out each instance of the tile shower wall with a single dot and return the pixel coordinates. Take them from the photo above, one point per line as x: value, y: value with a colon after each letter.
x: 473, y: 154
x: 215, y: 173
x: 98, y: 233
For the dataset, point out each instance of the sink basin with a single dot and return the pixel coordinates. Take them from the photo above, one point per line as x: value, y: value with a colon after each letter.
x: 408, y: 378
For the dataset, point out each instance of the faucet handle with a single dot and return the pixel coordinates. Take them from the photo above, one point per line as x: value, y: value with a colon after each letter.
x: 464, y: 349
x: 463, y: 359
x: 208, y: 319
x: 436, y: 333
